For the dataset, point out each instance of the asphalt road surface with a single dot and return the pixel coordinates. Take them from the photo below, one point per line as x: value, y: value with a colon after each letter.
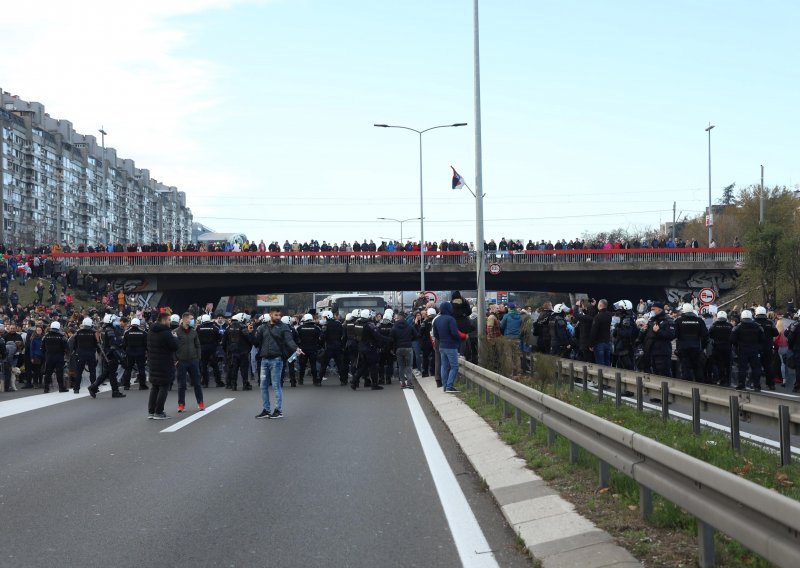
x: 342, y: 480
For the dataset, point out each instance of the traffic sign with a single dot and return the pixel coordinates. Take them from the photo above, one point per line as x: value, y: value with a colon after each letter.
x: 432, y: 297
x: 707, y: 296
x: 494, y: 269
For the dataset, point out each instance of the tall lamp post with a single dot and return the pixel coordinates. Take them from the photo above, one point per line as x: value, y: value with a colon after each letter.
x: 421, y: 204
x: 401, y: 221
x: 710, y: 214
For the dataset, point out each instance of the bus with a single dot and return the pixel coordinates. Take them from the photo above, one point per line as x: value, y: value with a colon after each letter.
x: 343, y: 304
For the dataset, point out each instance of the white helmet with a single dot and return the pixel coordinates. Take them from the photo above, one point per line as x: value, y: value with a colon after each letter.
x: 327, y: 314
x: 623, y: 305
x: 355, y: 313
x: 761, y: 311
x: 746, y: 315
x: 246, y: 317
x: 371, y: 314
x: 87, y: 322
x: 55, y: 325
x: 364, y: 314
x: 307, y: 317
x: 238, y: 317
x: 174, y: 318
x: 136, y: 321
x: 431, y: 311
x: 205, y: 318
x: 558, y: 308
x: 722, y: 316
x: 687, y: 309
x: 108, y: 318
x: 348, y: 317
x: 388, y: 314
x: 286, y: 320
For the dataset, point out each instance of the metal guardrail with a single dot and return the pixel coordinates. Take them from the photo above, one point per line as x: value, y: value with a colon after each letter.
x: 762, y: 520
x: 536, y: 257
x: 754, y: 407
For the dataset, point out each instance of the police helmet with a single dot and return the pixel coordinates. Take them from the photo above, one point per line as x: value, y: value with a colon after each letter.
x: 286, y: 320
x: 108, y: 318
x: 623, y: 305
x: 761, y: 311
x: 136, y: 321
x: 355, y: 313
x: 87, y: 322
x: 687, y: 309
x: 746, y: 315
x: 174, y: 318
x: 308, y: 317
x: 558, y: 308
x: 348, y: 317
x: 388, y: 314
x: 722, y: 316
x: 55, y: 325
x: 364, y: 314
x: 205, y: 318
x: 237, y: 317
x: 431, y: 311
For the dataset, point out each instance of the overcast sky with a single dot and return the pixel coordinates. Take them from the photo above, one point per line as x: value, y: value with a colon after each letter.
x: 262, y: 111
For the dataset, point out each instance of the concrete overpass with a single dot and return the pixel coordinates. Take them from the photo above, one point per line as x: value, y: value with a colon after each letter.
x: 632, y: 273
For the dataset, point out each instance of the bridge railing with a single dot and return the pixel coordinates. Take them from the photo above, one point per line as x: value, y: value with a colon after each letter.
x: 735, y: 256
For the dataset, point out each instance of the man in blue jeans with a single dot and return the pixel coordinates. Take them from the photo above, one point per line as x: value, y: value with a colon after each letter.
x: 273, y: 338
x: 448, y: 339
x: 188, y: 355
x: 600, y: 335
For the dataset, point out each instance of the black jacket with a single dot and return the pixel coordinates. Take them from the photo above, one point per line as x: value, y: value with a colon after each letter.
x: 691, y: 332
x: 403, y: 334
x: 161, y: 346
x: 720, y: 335
x: 748, y: 337
x: 54, y: 345
x: 601, y: 328
x: 334, y: 331
x: 134, y: 341
x: 273, y: 340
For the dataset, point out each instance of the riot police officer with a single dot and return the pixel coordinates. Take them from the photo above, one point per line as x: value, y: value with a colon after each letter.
x: 748, y: 338
x: 112, y: 353
x: 720, y: 335
x: 692, y: 335
x: 237, y: 352
x: 85, y: 346
x: 425, y: 331
x: 309, y: 336
x: 657, y: 342
x: 350, y: 345
x: 369, y: 340
x: 333, y: 335
x: 209, y: 334
x: 557, y: 329
x: 134, y: 342
x: 55, y: 347
x: 624, y: 334
x: 770, y: 333
x: 385, y: 356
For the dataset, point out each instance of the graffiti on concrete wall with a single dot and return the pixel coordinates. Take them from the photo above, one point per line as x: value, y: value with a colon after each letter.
x: 133, y: 285
x: 717, y: 280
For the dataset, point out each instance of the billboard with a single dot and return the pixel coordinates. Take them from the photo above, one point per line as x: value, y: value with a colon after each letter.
x: 269, y: 300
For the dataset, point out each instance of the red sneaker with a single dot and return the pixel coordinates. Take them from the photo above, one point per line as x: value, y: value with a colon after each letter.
x: 181, y: 407
x: 201, y: 405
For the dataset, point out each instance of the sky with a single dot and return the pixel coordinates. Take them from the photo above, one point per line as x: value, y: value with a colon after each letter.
x: 262, y: 111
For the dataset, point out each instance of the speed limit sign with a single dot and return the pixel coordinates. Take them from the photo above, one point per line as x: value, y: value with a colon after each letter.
x: 707, y: 296
x: 494, y: 269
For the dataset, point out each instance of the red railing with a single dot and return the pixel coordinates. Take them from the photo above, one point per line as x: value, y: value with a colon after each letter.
x: 699, y: 256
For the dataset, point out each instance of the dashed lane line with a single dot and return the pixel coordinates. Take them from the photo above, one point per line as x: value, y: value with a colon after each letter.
x: 37, y: 401
x: 197, y: 415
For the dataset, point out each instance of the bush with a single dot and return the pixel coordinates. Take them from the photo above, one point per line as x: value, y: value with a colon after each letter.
x: 501, y: 355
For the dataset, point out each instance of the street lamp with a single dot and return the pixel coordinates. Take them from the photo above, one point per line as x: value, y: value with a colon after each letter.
x: 421, y: 208
x: 401, y: 221
x: 710, y: 214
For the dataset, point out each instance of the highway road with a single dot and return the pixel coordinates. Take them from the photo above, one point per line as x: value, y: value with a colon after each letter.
x: 345, y: 479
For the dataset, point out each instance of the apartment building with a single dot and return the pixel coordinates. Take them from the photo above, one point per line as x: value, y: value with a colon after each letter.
x: 57, y: 185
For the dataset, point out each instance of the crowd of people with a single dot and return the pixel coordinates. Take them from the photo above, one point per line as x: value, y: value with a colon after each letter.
x: 744, y: 348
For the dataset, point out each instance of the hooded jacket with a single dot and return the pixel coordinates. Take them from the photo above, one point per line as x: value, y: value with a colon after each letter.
x: 511, y: 324
x: 445, y: 329
x: 160, y: 347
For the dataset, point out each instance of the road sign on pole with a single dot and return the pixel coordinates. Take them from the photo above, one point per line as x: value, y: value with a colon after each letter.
x: 707, y: 296
x: 494, y: 269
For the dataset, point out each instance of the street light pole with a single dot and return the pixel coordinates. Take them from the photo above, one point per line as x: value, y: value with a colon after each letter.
x: 401, y: 221
x: 480, y: 259
x: 421, y: 198
x: 710, y: 214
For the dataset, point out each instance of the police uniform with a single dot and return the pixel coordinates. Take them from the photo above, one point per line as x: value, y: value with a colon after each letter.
x: 86, y: 346
x: 720, y: 335
x: 55, y: 347
x: 692, y: 335
x: 386, y: 356
x: 237, y: 351
x: 209, y: 334
x: 113, y: 354
x: 748, y: 338
x: 369, y: 339
x: 350, y: 357
x: 770, y: 333
x: 333, y: 349
x: 623, y: 336
x: 309, y: 336
x: 658, y: 345
x: 134, y: 342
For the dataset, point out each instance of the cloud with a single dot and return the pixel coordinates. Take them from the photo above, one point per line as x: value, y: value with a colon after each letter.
x: 123, y: 66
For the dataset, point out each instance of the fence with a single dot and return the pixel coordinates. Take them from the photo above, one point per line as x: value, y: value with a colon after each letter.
x: 762, y: 520
x: 625, y: 256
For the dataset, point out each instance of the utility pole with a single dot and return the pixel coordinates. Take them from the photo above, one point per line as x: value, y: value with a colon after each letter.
x: 480, y: 269
x: 710, y: 213
x: 761, y: 199
x: 674, y: 204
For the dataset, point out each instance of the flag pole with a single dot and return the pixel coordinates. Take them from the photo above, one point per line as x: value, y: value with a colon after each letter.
x: 480, y: 259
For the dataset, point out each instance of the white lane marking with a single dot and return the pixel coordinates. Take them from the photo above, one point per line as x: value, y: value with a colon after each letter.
x: 473, y: 549
x: 197, y: 415
x: 37, y: 401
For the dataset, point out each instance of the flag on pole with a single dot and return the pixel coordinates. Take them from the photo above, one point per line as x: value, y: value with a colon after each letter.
x: 458, y: 181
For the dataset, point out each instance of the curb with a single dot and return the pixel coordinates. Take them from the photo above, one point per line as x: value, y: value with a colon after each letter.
x: 552, y: 531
